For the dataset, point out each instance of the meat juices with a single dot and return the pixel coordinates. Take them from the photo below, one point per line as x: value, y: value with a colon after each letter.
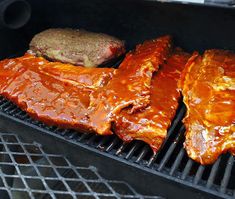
x: 208, y: 87
x: 78, y: 47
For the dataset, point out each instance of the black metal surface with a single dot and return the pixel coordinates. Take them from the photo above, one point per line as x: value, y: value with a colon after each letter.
x: 171, y: 162
x: 14, y: 13
x: 28, y: 172
x: 131, y: 20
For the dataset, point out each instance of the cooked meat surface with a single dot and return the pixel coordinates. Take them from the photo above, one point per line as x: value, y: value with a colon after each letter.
x: 55, y: 93
x: 130, y: 85
x: 78, y: 47
x: 151, y: 124
x: 77, y: 97
x: 208, y: 87
x: 79, y: 76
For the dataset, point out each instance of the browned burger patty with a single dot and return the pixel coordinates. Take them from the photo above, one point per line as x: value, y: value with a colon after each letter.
x: 78, y: 47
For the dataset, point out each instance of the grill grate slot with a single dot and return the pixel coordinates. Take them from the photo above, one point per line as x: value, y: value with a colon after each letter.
x: 171, y: 160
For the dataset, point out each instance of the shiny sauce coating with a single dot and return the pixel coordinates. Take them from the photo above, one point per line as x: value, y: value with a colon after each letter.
x: 151, y: 124
x: 52, y: 92
x: 208, y: 87
x: 130, y: 85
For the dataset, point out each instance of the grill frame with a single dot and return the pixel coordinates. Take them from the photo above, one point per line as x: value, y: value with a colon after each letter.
x: 158, y: 178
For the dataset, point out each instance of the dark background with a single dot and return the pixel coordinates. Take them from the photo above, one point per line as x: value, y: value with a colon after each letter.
x: 194, y: 27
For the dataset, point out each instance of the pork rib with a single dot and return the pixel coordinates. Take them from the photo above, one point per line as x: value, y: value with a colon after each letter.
x: 208, y: 87
x: 151, y: 124
x: 130, y: 85
x: 54, y: 93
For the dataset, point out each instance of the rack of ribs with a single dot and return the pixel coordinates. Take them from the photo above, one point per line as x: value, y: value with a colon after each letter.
x: 151, y: 124
x: 130, y: 85
x: 208, y: 88
x: 52, y: 92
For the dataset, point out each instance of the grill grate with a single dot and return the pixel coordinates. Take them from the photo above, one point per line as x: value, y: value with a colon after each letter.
x: 171, y: 161
x: 27, y: 171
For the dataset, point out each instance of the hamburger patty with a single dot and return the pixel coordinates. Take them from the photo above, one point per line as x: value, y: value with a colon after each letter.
x: 78, y: 47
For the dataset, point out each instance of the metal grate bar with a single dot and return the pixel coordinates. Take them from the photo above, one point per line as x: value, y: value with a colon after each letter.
x: 121, y: 148
x: 18, y: 114
x: 213, y: 173
x: 84, y: 136
x: 187, y: 169
x: 92, y: 138
x: 227, y: 174
x: 71, y: 135
x: 142, y: 154
x: 5, y: 104
x: 8, y: 108
x: 132, y: 150
x: 15, y: 112
x: 23, y: 116
x: 64, y: 132
x: 234, y: 193
x: 112, y: 144
x: 198, y: 174
x: 103, y: 142
x: 177, y: 161
x: 171, y: 149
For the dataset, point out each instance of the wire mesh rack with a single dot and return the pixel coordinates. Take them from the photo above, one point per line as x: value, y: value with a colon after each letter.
x: 27, y: 171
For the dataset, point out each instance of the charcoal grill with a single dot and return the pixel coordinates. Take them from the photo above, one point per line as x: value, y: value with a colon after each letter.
x: 170, y: 172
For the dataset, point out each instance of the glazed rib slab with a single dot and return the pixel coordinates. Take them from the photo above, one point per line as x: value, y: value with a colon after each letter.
x: 208, y: 87
x: 54, y: 93
x: 151, y: 124
x: 130, y: 85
